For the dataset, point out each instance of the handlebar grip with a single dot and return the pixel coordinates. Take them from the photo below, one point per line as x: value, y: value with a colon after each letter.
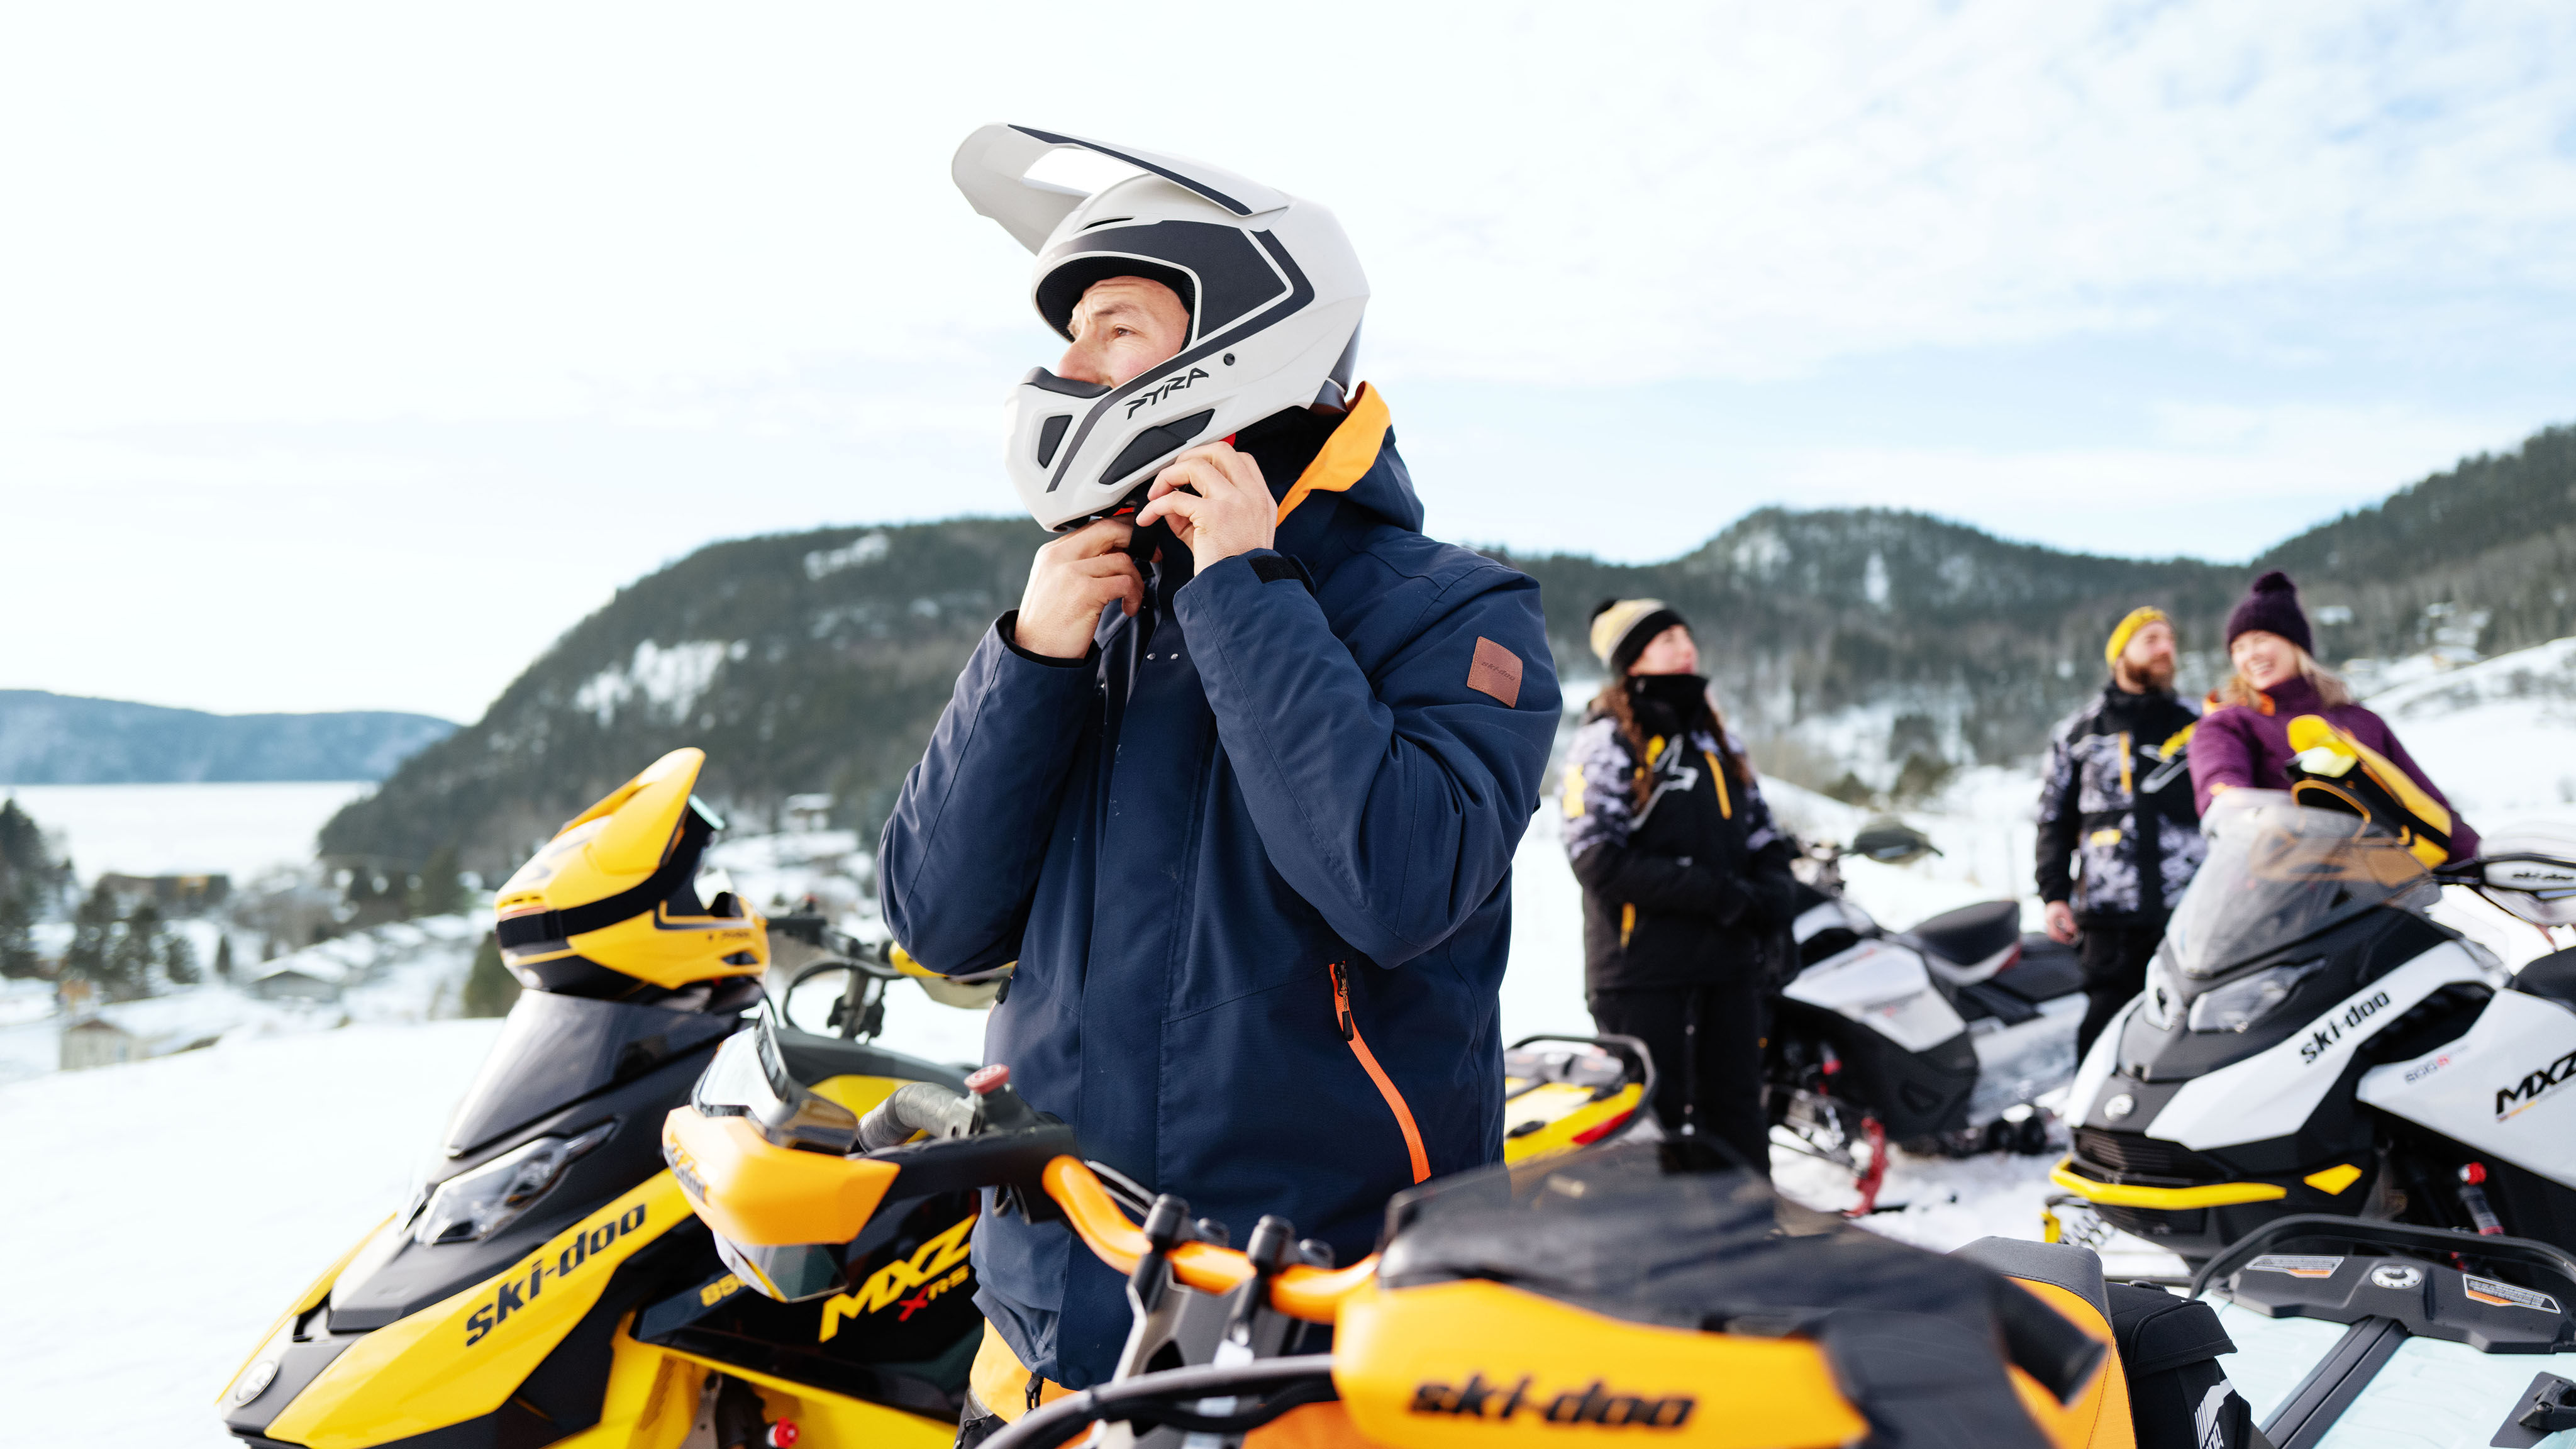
x: 915, y: 1107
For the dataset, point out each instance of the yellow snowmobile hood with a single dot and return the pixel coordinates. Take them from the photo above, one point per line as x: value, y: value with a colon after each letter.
x: 615, y: 888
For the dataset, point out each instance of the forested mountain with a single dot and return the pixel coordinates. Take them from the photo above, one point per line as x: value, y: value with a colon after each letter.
x: 55, y: 739
x: 1842, y: 641
x: 799, y: 662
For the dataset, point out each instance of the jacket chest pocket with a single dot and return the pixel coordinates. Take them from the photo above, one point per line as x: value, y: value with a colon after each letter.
x: 1347, y: 1025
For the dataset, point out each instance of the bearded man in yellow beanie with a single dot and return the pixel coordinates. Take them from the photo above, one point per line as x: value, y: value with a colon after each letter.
x: 2119, y: 837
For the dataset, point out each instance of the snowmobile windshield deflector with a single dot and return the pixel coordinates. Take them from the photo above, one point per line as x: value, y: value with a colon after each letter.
x: 2279, y: 874
x: 555, y: 1050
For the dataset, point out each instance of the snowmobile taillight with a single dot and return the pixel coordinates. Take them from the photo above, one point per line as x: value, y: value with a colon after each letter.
x: 782, y: 1434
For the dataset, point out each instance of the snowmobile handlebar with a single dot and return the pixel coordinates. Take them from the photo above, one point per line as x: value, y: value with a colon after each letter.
x: 916, y: 1107
x: 1313, y: 1295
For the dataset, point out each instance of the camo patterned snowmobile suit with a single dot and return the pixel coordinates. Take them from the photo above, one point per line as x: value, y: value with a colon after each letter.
x: 2118, y: 800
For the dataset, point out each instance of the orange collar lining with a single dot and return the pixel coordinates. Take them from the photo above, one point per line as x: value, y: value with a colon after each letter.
x: 1346, y: 456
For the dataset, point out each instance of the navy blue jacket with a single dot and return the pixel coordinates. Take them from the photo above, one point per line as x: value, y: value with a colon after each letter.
x: 1308, y: 767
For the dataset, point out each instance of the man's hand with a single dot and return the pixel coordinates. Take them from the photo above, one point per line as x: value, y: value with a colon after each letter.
x: 1231, y: 513
x: 1069, y: 582
x: 2061, y: 923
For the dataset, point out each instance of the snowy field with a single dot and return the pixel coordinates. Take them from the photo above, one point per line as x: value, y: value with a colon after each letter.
x: 178, y: 1203
x: 236, y: 830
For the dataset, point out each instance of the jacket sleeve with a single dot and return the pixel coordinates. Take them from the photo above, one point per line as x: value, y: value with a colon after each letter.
x: 1599, y: 818
x: 959, y: 858
x: 2060, y: 821
x: 2221, y: 755
x: 1391, y: 802
x: 1770, y: 886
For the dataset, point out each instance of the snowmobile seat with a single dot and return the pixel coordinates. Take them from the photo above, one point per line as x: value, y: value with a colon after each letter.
x: 2061, y: 1265
x: 2068, y: 1279
x: 2045, y: 972
x: 1971, y: 934
x: 2552, y: 976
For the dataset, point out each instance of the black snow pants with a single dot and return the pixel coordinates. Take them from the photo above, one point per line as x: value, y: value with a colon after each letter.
x: 2114, y: 956
x: 1707, y: 1045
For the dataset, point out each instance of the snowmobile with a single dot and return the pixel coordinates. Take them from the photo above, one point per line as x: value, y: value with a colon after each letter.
x: 2310, y: 1041
x: 1622, y: 1286
x: 1939, y: 1037
x: 547, y: 1282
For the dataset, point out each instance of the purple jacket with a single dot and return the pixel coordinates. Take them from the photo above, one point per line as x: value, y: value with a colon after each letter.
x: 2249, y: 745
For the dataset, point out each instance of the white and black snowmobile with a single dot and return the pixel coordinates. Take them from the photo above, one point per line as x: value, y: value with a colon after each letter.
x: 1939, y: 1037
x: 2311, y: 1041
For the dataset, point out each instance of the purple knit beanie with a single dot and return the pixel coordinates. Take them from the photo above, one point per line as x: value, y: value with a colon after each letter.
x: 2273, y: 607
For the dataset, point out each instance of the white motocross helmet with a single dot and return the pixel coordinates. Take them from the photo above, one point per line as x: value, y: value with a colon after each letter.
x: 1274, y: 290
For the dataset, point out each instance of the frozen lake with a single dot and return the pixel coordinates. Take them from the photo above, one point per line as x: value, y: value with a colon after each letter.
x: 235, y: 829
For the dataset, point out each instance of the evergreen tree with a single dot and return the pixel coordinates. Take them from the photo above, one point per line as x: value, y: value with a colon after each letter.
x: 94, y: 955
x: 490, y: 989
x: 439, y: 892
x: 179, y: 959
x: 224, y: 957
x: 17, y: 937
x: 137, y: 949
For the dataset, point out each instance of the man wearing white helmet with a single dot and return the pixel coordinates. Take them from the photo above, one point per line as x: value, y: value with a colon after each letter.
x: 1239, y: 794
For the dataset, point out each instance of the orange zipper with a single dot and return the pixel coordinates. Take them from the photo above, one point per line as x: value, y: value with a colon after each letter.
x: 1368, y: 1063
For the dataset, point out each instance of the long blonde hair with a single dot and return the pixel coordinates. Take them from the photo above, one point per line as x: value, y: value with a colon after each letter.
x: 2330, y: 688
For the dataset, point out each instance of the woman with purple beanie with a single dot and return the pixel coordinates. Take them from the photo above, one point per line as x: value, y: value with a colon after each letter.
x: 2244, y: 738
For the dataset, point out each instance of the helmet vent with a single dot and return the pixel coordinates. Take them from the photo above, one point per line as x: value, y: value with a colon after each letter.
x: 1051, y: 437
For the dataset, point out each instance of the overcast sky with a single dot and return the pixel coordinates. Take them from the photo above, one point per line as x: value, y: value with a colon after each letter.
x: 349, y: 354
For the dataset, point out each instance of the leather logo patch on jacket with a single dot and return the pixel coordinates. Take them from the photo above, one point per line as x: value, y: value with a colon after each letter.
x: 1495, y: 671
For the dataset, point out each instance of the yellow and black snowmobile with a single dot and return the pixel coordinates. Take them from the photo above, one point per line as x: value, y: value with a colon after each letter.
x: 1621, y: 1290
x: 548, y: 1284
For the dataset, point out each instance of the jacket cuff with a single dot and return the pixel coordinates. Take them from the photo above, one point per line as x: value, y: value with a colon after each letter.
x: 1007, y: 628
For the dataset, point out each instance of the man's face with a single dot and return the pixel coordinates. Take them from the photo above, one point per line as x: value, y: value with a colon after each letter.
x: 1124, y: 326
x: 2148, y: 661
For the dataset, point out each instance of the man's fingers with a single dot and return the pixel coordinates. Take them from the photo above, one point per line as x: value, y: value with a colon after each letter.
x: 1094, y: 539
x: 1234, y: 469
x: 1182, y: 506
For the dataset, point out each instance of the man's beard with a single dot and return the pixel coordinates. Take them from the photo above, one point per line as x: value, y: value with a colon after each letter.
x: 2156, y: 674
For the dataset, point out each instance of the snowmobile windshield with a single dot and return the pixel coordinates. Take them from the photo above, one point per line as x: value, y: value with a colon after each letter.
x: 2277, y: 874
x: 555, y: 1050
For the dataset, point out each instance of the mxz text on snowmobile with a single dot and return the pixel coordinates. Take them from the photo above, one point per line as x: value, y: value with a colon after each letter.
x: 1622, y: 1287
x: 1938, y: 1037
x: 2309, y: 1041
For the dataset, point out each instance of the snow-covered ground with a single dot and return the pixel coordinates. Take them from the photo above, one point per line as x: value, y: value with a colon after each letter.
x: 236, y: 830
x: 160, y: 1215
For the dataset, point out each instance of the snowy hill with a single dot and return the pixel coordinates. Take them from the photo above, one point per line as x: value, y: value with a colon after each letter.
x: 2504, y: 731
x: 1840, y: 639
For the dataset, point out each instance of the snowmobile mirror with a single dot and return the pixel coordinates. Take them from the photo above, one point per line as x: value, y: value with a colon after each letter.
x: 1892, y: 842
x: 2540, y: 889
